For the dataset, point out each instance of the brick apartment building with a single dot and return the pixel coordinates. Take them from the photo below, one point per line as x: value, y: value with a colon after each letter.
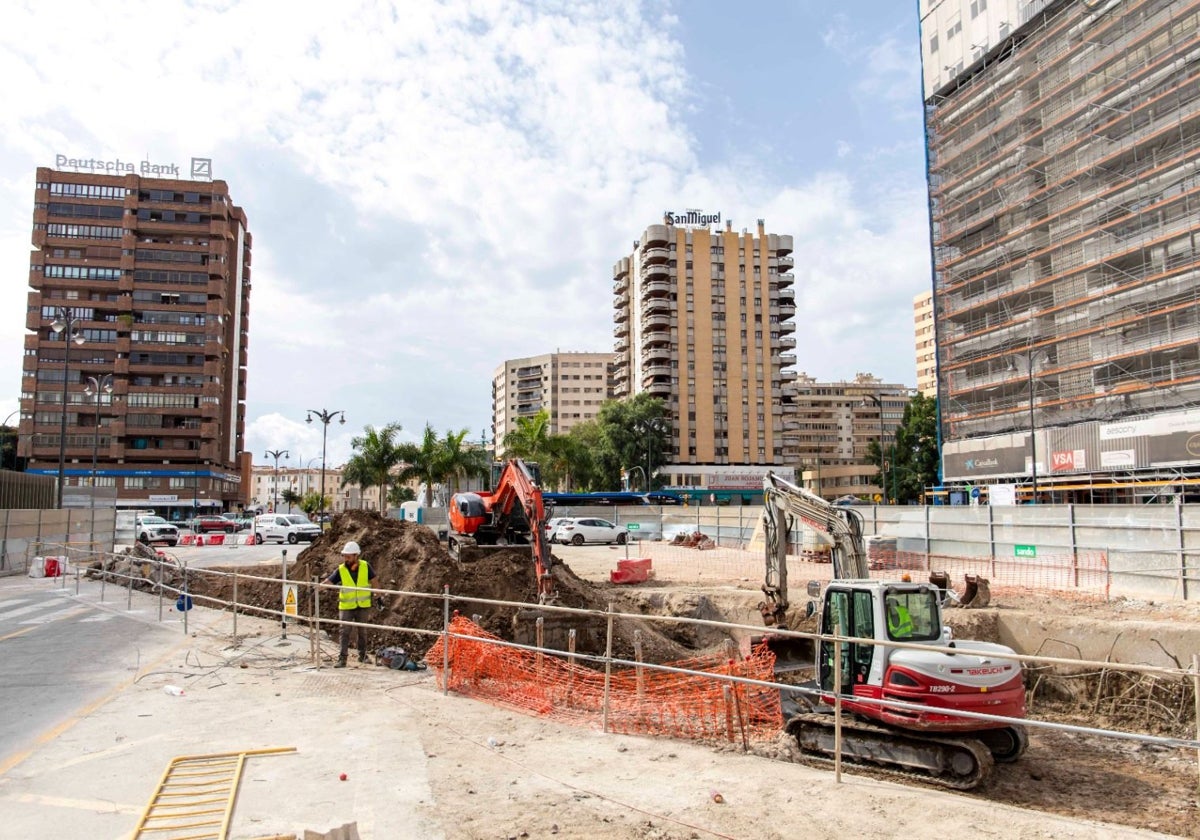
x: 141, y: 285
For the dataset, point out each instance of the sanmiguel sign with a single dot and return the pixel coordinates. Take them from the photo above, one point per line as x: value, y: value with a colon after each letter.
x: 692, y: 218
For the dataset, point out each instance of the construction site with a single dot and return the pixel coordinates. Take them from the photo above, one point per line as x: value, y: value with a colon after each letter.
x: 1109, y: 684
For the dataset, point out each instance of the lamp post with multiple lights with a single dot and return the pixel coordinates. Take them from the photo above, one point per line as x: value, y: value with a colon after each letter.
x: 276, y: 454
x: 882, y: 460
x: 326, y: 417
x: 1031, y: 359
x: 98, y: 389
x: 66, y: 323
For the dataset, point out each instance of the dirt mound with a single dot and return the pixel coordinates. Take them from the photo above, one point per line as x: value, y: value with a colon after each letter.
x: 409, y: 557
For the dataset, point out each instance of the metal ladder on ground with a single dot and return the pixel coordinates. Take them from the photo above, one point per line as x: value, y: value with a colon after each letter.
x: 194, y: 798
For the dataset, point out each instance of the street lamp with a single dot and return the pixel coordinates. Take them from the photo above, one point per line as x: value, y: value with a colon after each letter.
x: 66, y: 320
x: 98, y: 389
x: 276, y: 454
x: 1031, y: 359
x: 326, y: 417
x: 16, y: 436
x: 882, y: 461
x: 651, y: 429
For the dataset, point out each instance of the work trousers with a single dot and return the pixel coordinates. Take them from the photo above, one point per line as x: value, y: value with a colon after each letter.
x: 356, y: 615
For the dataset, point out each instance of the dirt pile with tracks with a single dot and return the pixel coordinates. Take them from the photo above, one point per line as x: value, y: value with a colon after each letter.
x: 410, y: 558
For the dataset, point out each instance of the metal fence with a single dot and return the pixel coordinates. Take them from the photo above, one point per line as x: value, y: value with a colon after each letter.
x: 25, y: 534
x: 1151, y: 551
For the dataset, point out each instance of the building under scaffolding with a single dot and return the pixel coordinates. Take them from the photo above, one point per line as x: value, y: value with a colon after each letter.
x: 1064, y: 183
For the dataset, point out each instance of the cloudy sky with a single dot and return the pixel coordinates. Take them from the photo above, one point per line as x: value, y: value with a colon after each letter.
x: 434, y: 187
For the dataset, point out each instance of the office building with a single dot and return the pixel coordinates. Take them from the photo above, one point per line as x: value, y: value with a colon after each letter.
x: 838, y: 422
x: 703, y: 320
x: 925, y: 345
x: 145, y: 280
x: 571, y: 387
x: 1064, y: 146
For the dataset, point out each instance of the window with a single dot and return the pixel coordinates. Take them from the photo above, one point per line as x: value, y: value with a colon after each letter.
x: 84, y: 231
x: 99, y: 211
x: 977, y: 6
x: 933, y: 43
x: 954, y: 29
x: 88, y: 190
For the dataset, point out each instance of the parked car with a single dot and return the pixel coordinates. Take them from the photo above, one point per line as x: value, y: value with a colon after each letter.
x: 552, y: 526
x: 152, y: 529
x: 240, y: 521
x: 207, y: 524
x: 582, y: 530
x: 285, y: 527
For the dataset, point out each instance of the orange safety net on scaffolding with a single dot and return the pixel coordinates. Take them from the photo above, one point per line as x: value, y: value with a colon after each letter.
x: 640, y: 700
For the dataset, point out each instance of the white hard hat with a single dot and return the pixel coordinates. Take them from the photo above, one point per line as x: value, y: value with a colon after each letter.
x: 351, y: 548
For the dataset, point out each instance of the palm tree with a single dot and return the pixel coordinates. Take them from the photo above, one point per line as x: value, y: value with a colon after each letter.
x: 376, y: 453
x: 456, y: 463
x: 528, y: 439
x: 422, y: 462
x: 290, y: 498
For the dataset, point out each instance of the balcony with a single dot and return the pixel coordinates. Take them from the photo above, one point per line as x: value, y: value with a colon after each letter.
x: 658, y: 254
x: 655, y: 272
x: 787, y: 359
x: 658, y: 389
x: 621, y: 301
x: 788, y: 375
x: 786, y: 327
x: 787, y: 342
x: 787, y: 295
x: 656, y: 371
x: 785, y: 262
x: 656, y: 306
x: 621, y: 329
x: 621, y: 284
x: 622, y: 344
x: 657, y: 322
x: 656, y: 235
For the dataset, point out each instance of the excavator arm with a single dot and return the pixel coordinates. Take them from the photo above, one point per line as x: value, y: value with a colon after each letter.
x: 517, y: 488
x: 783, y: 504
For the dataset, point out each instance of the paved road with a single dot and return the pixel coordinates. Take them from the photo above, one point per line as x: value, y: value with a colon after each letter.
x: 61, y: 654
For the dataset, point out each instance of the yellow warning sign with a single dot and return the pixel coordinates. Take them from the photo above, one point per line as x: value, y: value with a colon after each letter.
x: 289, y: 600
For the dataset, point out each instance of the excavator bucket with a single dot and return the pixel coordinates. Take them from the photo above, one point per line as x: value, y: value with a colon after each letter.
x: 978, y: 593
x: 941, y: 580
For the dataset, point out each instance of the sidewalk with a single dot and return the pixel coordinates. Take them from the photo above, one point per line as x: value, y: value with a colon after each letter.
x: 421, y: 764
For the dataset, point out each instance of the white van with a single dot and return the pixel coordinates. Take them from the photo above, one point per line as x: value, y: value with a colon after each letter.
x: 291, y: 527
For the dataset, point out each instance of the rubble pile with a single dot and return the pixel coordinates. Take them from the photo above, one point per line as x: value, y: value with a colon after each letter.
x: 409, y: 557
x: 695, y: 540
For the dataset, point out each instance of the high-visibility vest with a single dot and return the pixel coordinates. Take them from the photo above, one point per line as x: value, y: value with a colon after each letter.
x: 354, y: 594
x: 900, y: 624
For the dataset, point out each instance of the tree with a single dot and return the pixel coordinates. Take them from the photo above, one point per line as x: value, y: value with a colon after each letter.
x: 456, y: 462
x: 528, y: 440
x: 913, y: 453
x: 291, y: 498
x: 375, y: 455
x: 636, y: 432
x: 313, y: 502
x: 421, y: 461
x: 399, y: 494
x: 8, y: 447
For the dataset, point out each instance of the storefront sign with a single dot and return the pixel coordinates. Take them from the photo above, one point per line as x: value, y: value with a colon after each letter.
x: 154, y: 499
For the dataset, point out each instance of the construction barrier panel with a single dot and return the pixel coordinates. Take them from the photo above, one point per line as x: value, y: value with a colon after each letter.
x: 640, y: 700
x: 187, y: 539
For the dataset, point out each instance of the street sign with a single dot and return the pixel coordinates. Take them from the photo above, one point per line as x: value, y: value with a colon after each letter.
x: 289, y: 601
x: 633, y: 526
x: 975, y: 493
x: 1025, y: 551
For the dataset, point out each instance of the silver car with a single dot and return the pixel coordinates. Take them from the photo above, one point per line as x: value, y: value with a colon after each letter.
x: 587, y: 529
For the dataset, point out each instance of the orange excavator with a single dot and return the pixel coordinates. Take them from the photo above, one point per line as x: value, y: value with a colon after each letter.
x: 510, y: 514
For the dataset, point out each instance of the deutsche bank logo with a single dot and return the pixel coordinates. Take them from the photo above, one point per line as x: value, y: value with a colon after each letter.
x: 202, y: 168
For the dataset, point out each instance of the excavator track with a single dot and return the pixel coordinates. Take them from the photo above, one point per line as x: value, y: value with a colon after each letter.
x: 959, y: 763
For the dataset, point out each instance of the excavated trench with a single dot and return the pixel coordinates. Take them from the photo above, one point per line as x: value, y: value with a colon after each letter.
x: 1122, y: 782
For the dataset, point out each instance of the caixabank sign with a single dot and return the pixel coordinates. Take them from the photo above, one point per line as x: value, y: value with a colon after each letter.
x: 1167, y: 440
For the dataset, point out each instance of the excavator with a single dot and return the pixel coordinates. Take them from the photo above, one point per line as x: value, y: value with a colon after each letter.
x: 963, y: 676
x: 510, y: 514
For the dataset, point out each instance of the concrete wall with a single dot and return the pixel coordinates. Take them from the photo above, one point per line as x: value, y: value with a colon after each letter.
x: 25, y: 534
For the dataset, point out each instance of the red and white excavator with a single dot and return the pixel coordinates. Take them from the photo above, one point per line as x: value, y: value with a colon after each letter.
x: 510, y: 514
x: 929, y: 740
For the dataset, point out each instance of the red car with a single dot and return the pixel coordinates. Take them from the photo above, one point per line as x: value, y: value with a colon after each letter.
x: 204, y: 524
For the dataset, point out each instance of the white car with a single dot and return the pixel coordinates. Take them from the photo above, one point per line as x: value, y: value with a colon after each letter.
x: 589, y: 530
x: 285, y: 527
x: 152, y: 529
x: 552, y: 526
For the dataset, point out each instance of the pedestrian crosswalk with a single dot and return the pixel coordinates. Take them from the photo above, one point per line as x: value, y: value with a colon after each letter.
x: 45, y: 608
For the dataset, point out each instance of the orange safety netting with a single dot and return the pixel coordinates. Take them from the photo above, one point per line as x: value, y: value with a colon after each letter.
x: 640, y: 700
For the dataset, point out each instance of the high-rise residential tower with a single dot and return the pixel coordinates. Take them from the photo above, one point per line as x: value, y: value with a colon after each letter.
x: 141, y: 284
x: 1064, y: 173
x: 570, y: 387
x: 703, y: 320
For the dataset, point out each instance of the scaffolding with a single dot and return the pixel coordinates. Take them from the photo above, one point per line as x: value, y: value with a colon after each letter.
x: 1064, y: 184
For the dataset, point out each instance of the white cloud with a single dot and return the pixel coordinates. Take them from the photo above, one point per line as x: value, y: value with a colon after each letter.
x: 433, y: 187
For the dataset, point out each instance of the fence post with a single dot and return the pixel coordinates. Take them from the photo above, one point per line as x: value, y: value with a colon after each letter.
x: 316, y: 639
x: 929, y: 536
x: 1183, y: 572
x: 570, y: 664
x: 607, y: 664
x: 129, y: 594
x: 446, y: 639
x: 235, y: 577
x: 185, y: 599
x: 77, y: 581
x: 160, y: 589
x: 103, y: 575
x: 1196, y: 705
x: 637, y: 655
x: 283, y: 618
x: 837, y: 708
x: 541, y: 642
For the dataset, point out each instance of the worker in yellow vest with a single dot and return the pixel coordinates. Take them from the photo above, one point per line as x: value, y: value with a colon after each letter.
x: 900, y: 624
x: 355, y: 578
